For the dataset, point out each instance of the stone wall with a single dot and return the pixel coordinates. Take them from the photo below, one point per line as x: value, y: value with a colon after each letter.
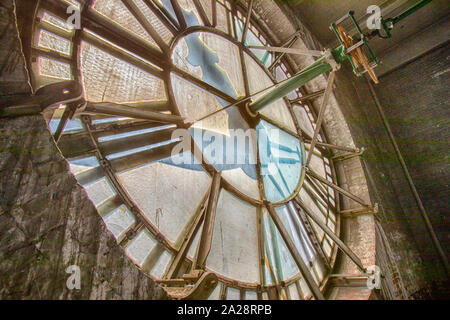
x: 47, y: 221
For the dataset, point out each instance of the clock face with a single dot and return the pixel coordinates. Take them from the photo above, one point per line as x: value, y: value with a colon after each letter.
x: 234, y: 146
x: 151, y: 180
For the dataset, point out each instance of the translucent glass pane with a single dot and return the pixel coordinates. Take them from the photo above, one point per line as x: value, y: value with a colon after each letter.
x: 161, y: 265
x: 233, y: 294
x: 326, y: 248
x: 297, y: 232
x: 81, y: 165
x: 207, y: 7
x: 139, y: 248
x: 190, y: 13
x: 234, y: 248
x: 279, y: 257
x: 251, y: 295
x: 117, y: 12
x: 99, y: 191
x: 281, y: 161
x: 56, y: 21
x: 222, y: 22
x: 224, y: 138
x: 309, y: 203
x: 54, y: 42
x: 213, y: 59
x: 258, y: 80
x: 119, y: 221
x: 168, y: 204
x: 293, y: 292
x: 107, y: 78
x: 303, y: 120
x: 159, y: 27
x: 54, y: 69
x: 215, y: 295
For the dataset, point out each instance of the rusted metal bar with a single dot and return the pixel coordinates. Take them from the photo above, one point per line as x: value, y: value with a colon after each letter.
x: 332, y: 235
x: 131, y: 112
x: 201, y: 11
x: 309, y: 96
x: 187, y: 239
x: 140, y: 17
x: 247, y: 21
x: 323, y: 107
x: 295, y: 254
x: 208, y: 224
x: 315, y: 175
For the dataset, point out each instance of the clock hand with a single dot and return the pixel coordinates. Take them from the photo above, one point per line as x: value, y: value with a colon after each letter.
x: 236, y: 103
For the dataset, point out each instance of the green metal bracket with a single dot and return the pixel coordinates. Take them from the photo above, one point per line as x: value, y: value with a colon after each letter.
x: 388, y: 24
x: 341, y: 54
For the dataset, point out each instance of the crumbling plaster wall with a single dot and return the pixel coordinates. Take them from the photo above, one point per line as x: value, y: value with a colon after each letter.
x: 47, y: 221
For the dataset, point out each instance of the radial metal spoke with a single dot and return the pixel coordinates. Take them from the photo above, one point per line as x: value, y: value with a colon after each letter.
x: 114, y: 33
x: 187, y: 237
x: 163, y: 15
x: 202, y: 13
x: 140, y: 17
x: 204, y: 246
x: 136, y: 141
x: 247, y: 21
x: 295, y: 254
x: 332, y: 235
x: 311, y: 53
x: 315, y: 175
x: 121, y: 110
x: 323, y: 107
x: 120, y: 53
x: 287, y: 44
x: 200, y: 83
x: 179, y: 13
x: 309, y: 96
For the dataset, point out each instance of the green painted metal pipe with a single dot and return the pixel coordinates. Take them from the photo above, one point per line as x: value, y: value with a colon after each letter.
x: 309, y: 73
x: 410, y: 11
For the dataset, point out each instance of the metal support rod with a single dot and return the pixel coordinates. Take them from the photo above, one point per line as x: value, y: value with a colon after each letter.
x: 309, y: 96
x: 315, y: 175
x: 187, y: 239
x: 247, y: 21
x: 311, y: 53
x: 409, y: 11
x: 208, y: 224
x: 316, y: 69
x: 331, y: 234
x: 295, y: 254
x: 423, y: 212
x: 323, y: 107
x: 127, y: 111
